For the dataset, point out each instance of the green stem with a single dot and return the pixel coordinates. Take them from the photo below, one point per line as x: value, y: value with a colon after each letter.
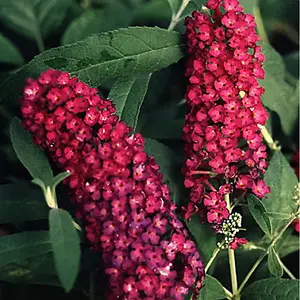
x: 233, y: 274
x: 231, y: 257
x: 212, y: 259
x: 260, y: 259
x: 286, y: 270
x: 252, y: 270
x: 268, y: 138
x: 176, y: 17
x: 76, y: 226
x: 228, y: 293
x: 210, y: 262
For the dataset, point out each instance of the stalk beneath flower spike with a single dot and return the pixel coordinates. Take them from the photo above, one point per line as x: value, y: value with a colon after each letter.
x: 233, y: 274
x: 176, y: 17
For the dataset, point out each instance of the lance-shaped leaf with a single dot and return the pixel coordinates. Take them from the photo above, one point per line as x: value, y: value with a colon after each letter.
x: 9, y: 53
x: 212, y: 290
x: 40, y: 270
x: 202, y: 232
x: 104, y: 56
x: 128, y: 95
x: 260, y: 215
x: 165, y: 158
x: 30, y: 155
x: 272, y: 289
x: 92, y: 21
x: 66, y: 246
x: 23, y: 245
x: 174, y: 4
x: 20, y: 202
x: 276, y: 89
x: 274, y: 263
x: 282, y: 180
x: 59, y: 178
x: 33, y: 18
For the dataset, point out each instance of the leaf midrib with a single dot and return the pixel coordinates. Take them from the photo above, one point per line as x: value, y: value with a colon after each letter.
x: 112, y: 60
x: 25, y: 247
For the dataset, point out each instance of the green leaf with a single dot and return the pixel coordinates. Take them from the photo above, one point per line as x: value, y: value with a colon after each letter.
x: 287, y: 244
x: 276, y: 89
x: 249, y: 6
x: 128, y: 95
x: 23, y: 245
x: 101, y: 57
x: 212, y: 290
x: 165, y: 159
x: 66, y: 246
x: 272, y: 289
x: 280, y: 216
x: 30, y: 155
x: 20, y: 202
x: 205, y: 237
x: 282, y: 180
x: 157, y: 86
x: 244, y: 261
x: 274, y: 64
x: 9, y: 52
x: 59, y: 178
x: 292, y: 63
x: 32, y: 18
x: 174, y: 4
x: 274, y: 263
x: 35, y: 270
x: 40, y: 270
x: 260, y: 215
x: 97, y: 20
x: 281, y: 17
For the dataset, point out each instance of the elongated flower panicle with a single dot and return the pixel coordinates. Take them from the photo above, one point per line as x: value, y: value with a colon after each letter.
x: 117, y: 188
x: 224, y: 147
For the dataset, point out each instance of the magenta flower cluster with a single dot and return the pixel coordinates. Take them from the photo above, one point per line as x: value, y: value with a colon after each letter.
x: 224, y: 145
x: 117, y: 188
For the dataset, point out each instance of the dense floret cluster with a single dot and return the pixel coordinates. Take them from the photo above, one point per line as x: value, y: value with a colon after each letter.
x: 224, y: 145
x: 117, y: 188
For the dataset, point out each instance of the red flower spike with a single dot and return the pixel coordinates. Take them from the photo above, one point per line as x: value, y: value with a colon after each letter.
x: 116, y: 187
x: 223, y: 96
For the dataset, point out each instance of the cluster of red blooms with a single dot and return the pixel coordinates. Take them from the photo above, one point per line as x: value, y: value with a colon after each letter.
x: 117, y: 188
x: 224, y: 145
